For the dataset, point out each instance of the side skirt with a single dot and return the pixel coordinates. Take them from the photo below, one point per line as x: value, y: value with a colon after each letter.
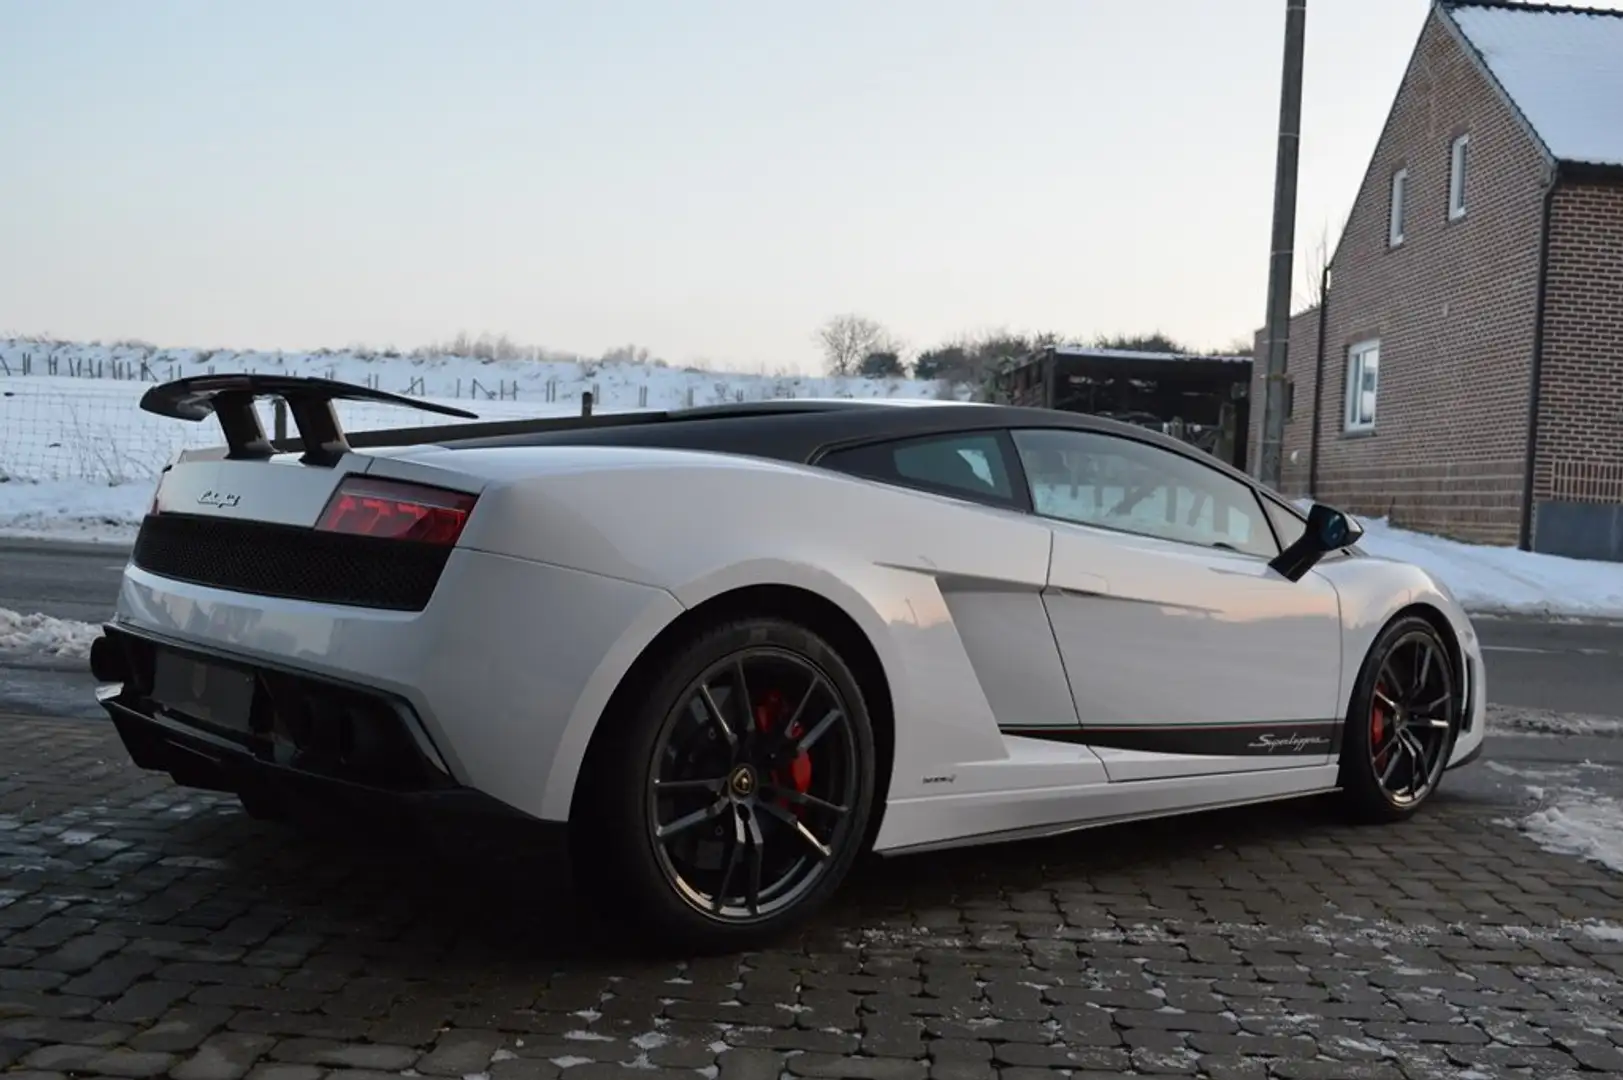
x: 938, y: 822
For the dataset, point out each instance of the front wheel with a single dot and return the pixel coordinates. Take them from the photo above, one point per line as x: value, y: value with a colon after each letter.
x: 731, y: 799
x: 1402, y: 725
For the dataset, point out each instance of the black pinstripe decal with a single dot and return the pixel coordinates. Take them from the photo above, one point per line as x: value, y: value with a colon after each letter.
x: 1274, y: 738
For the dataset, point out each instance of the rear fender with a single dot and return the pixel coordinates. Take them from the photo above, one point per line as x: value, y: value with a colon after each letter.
x: 590, y: 708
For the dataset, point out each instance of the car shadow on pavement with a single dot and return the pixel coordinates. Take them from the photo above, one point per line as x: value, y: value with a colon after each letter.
x: 403, y: 898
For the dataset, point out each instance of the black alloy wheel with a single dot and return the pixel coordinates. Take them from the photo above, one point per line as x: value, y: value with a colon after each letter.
x: 738, y: 793
x: 1403, y: 722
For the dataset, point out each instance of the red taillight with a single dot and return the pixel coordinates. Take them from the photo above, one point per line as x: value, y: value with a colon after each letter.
x: 393, y: 510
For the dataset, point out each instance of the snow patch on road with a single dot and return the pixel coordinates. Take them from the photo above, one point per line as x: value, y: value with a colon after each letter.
x: 43, y: 635
x: 1581, y: 823
x: 1570, y: 818
x: 1510, y: 720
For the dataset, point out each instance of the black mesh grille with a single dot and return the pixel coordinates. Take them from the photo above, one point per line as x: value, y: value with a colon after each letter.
x: 297, y: 564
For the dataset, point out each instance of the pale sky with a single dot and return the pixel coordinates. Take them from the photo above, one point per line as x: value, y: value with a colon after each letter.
x: 707, y: 179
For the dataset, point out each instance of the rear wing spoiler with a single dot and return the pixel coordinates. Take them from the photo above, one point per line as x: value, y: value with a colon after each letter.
x: 230, y: 400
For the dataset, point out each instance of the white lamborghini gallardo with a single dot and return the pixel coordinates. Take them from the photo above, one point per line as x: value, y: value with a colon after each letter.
x: 726, y: 650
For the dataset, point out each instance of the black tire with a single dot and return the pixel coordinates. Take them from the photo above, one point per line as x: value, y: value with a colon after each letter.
x: 1372, y: 747
x: 641, y: 882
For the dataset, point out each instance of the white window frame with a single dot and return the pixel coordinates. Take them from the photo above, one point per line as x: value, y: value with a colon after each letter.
x: 1397, y: 206
x: 1358, y: 361
x: 1459, y: 174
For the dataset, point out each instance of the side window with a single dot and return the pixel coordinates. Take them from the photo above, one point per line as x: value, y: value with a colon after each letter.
x: 1119, y: 483
x: 968, y: 465
x: 1287, y: 525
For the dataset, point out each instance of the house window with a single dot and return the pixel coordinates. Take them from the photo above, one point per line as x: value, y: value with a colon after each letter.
x: 1458, y: 157
x: 1400, y: 199
x: 1363, y: 380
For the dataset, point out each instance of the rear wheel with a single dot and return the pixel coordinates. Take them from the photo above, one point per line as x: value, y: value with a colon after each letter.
x: 1402, y: 725
x: 730, y: 801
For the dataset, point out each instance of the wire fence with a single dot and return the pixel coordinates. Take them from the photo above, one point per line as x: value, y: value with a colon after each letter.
x: 94, y: 430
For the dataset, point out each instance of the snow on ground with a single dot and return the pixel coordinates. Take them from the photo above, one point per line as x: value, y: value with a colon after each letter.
x: 1537, y: 722
x: 73, y: 510
x: 1571, y: 818
x: 615, y: 384
x: 44, y: 635
x: 78, y: 457
x: 1580, y: 823
x: 59, y: 428
x: 1503, y: 579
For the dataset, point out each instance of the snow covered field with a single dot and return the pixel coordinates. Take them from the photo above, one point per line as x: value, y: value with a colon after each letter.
x: 78, y: 455
x: 527, y: 384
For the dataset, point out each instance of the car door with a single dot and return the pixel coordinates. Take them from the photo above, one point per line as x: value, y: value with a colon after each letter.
x: 1185, y: 652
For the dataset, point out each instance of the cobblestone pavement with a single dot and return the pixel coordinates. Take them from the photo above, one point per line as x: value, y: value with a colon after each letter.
x: 148, y: 930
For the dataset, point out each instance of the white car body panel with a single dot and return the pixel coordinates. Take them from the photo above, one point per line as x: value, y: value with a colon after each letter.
x: 1122, y: 605
x: 987, y: 623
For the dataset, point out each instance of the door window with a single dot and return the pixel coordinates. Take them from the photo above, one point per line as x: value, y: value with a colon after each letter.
x: 1131, y: 486
x: 1287, y: 526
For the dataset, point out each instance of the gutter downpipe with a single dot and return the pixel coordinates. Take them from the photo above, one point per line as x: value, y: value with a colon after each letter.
x: 1525, y: 540
x: 1318, y: 385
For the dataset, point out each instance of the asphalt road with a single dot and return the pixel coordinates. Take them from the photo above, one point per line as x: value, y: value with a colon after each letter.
x: 1554, y: 669
x: 65, y: 581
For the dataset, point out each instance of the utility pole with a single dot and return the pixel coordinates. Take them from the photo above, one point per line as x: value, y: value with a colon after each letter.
x: 1284, y: 244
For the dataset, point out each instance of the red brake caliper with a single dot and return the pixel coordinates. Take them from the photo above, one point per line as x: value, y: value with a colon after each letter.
x: 768, y: 713
x: 1377, y: 728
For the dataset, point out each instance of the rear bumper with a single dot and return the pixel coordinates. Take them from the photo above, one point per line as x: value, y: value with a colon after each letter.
x: 498, y: 682
x: 315, y: 747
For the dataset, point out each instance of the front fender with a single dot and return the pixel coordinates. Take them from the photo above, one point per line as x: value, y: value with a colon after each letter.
x: 1373, y: 591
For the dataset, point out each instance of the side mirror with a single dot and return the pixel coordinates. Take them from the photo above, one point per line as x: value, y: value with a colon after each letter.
x: 1328, y: 529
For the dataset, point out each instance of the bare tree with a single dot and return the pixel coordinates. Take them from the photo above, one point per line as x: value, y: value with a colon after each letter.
x: 847, y: 339
x: 1314, y: 265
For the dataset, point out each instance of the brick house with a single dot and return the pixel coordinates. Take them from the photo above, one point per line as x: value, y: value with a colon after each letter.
x: 1470, y: 379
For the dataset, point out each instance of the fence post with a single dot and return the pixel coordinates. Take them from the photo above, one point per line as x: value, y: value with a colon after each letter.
x: 586, y: 403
